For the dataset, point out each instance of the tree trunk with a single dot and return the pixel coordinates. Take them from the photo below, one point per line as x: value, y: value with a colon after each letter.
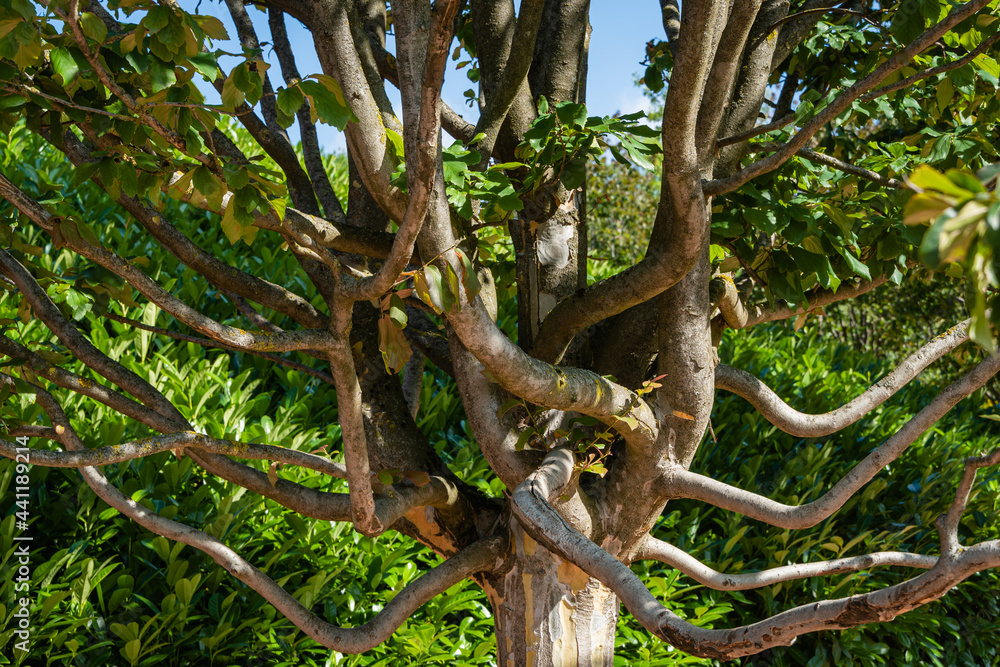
x: 548, y: 612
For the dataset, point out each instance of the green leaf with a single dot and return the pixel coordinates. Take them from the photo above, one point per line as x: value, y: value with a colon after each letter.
x: 205, y: 181
x: 929, y: 178
x: 653, y: 79
x: 508, y: 405
x: 205, y: 64
x: 574, y: 173
x: 290, y: 100
x: 93, y: 27
x: 327, y: 106
x: 856, y: 266
x: 469, y: 278
x: 523, y: 438
x: 397, y: 311
x: 232, y: 96
x: 64, y: 64
x: 156, y: 19
x: 161, y: 74
x: 432, y: 289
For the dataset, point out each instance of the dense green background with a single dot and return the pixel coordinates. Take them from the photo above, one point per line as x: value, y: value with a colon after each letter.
x: 109, y: 593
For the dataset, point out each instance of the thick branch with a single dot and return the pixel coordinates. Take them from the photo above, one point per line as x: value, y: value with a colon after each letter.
x: 366, y: 139
x: 532, y: 508
x: 514, y: 77
x: 420, y: 163
x: 804, y: 425
x: 722, y: 76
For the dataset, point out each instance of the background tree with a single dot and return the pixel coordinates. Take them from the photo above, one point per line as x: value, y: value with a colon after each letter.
x: 592, y: 418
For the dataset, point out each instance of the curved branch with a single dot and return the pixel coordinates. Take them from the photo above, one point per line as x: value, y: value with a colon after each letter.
x: 541, y: 521
x: 557, y: 387
x: 654, y: 274
x: 420, y: 168
x: 654, y: 549
x: 804, y: 425
x: 680, y: 483
x: 844, y: 100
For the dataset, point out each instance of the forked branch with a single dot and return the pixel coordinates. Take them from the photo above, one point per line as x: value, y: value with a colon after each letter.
x: 481, y: 556
x: 845, y: 99
x: 680, y: 483
x: 533, y: 509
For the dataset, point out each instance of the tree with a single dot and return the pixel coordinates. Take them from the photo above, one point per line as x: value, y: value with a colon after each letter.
x: 592, y: 411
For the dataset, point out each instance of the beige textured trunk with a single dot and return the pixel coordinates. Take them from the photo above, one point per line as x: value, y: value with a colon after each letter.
x: 548, y: 612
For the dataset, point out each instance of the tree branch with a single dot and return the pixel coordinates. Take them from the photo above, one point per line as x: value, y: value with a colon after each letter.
x: 366, y: 139
x: 513, y: 79
x: 755, y: 131
x: 483, y: 555
x: 839, y: 165
x: 305, y: 339
x: 680, y: 483
x: 219, y: 273
x: 804, y: 425
x: 654, y: 549
x: 738, y: 316
x: 205, y: 342
x: 531, y: 507
x: 149, y: 446
x: 82, y: 348
x: 723, y: 74
x: 85, y: 387
x: 844, y: 100
x: 420, y: 163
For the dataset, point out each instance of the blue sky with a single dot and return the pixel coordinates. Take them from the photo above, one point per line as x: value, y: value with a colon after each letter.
x: 617, y: 46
